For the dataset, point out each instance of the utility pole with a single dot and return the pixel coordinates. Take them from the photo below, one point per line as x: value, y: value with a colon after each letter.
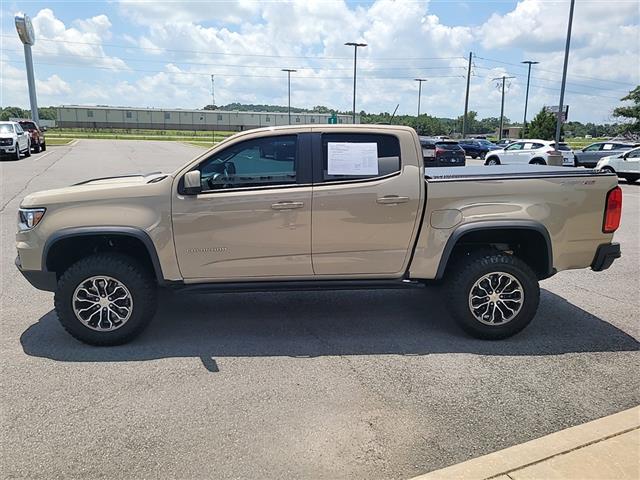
x: 503, y: 78
x: 213, y: 106
x: 466, y: 98
x: 289, y: 70
x: 355, y: 59
x: 564, y: 76
x: 526, y: 97
x: 419, y: 80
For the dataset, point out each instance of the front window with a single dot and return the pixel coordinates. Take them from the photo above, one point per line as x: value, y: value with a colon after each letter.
x: 167, y: 116
x: 515, y: 146
x: 28, y: 125
x: 90, y: 113
x: 252, y: 163
x: 593, y: 148
x: 6, y: 128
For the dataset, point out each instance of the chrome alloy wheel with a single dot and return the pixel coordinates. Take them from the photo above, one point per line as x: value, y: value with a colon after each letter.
x: 102, y: 303
x: 496, y: 298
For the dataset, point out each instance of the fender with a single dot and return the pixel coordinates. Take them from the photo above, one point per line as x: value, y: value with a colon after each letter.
x: 137, y: 233
x: 495, y: 225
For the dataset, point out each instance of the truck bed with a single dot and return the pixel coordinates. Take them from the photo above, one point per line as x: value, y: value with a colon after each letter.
x: 505, y: 171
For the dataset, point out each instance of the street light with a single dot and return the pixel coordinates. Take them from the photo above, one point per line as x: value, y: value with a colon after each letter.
x: 289, y: 70
x: 355, y: 58
x: 526, y: 98
x: 28, y: 38
x: 419, y: 80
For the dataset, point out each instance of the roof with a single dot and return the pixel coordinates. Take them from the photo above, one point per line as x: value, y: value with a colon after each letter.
x: 181, y: 110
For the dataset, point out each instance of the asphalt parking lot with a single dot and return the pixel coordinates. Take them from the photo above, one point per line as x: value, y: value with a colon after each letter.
x: 351, y: 384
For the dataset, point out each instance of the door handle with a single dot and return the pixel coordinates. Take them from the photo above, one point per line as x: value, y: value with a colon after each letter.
x: 287, y: 205
x: 392, y: 200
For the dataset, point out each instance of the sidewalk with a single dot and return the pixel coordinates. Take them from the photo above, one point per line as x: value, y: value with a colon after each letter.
x: 607, y: 448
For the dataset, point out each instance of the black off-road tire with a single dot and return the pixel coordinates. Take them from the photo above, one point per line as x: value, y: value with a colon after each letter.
x: 126, y: 270
x: 36, y: 148
x: 470, y: 268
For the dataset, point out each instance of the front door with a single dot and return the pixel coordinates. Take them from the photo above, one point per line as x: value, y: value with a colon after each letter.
x: 631, y: 163
x: 364, y: 213
x: 253, y: 217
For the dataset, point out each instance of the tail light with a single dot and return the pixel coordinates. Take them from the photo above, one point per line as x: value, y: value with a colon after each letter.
x: 440, y: 151
x: 612, y: 210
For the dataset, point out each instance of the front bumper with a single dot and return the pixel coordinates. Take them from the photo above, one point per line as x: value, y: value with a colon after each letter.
x: 605, y: 256
x: 42, y: 280
x: 7, y: 149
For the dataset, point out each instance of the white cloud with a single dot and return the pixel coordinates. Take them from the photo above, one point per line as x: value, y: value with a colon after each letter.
x: 81, y: 44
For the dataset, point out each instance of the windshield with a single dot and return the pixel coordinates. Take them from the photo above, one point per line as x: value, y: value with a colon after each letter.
x: 28, y: 125
x: 6, y: 128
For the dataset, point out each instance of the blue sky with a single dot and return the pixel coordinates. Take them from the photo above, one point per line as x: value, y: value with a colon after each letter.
x: 161, y: 54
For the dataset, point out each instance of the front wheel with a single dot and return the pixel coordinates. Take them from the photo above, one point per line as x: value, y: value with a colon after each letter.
x: 105, y: 299
x: 27, y: 152
x: 492, y: 161
x: 43, y: 146
x: 492, y: 295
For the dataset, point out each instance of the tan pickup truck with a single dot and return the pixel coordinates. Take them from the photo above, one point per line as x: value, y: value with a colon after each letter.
x: 312, y: 207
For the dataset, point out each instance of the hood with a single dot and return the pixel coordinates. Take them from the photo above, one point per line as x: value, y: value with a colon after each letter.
x: 98, y: 189
x: 7, y: 135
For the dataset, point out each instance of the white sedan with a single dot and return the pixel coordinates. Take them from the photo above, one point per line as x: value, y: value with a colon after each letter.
x: 625, y: 165
x: 530, y: 151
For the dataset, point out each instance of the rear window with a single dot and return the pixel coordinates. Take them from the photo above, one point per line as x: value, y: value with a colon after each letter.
x: 448, y: 146
x: 387, y: 148
x: 563, y: 147
x: 28, y: 125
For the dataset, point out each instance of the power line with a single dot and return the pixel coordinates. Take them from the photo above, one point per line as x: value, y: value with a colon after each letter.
x: 117, y: 69
x: 206, y: 52
x: 555, y: 71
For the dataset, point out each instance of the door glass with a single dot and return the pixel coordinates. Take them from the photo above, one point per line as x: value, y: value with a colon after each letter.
x: 253, y: 163
x: 387, y: 149
x: 514, y: 146
x: 593, y: 148
x: 634, y: 154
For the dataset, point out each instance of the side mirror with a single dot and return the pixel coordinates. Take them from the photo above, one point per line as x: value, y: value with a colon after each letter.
x: 20, y: 133
x: 44, y: 129
x: 192, y: 184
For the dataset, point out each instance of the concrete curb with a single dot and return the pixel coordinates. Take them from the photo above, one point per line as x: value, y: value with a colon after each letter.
x: 542, y: 449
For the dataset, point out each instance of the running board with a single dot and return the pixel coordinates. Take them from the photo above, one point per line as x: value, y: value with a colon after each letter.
x: 296, y: 285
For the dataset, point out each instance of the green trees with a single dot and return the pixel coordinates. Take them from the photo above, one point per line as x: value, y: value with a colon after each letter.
x: 543, y: 126
x: 630, y: 113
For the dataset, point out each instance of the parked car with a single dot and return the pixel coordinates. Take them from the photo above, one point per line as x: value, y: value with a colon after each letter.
x: 530, y: 151
x: 477, y: 147
x: 625, y: 165
x: 244, y: 216
x: 13, y: 140
x: 589, y: 155
x: 504, y: 142
x: 38, y: 143
x: 442, y: 153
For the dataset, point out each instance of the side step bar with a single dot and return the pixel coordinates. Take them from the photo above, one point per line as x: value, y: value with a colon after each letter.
x: 296, y: 285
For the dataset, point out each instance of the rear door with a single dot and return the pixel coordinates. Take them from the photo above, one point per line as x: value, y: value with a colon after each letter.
x: 364, y: 219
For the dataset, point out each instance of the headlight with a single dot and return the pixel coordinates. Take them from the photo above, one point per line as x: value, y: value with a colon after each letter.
x: 29, y: 217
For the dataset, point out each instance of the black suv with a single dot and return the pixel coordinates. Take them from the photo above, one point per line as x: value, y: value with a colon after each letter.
x: 475, y: 147
x: 442, y: 153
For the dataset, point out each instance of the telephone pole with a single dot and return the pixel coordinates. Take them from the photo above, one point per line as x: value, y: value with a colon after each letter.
x: 526, y: 97
x: 564, y: 76
x: 213, y: 106
x: 419, y: 80
x: 355, y: 59
x: 466, y: 98
x: 504, y: 78
x: 289, y: 70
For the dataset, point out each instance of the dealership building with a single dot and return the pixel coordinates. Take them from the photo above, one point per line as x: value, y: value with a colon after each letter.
x: 76, y: 116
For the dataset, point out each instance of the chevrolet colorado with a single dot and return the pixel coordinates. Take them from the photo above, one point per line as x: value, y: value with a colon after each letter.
x: 311, y: 207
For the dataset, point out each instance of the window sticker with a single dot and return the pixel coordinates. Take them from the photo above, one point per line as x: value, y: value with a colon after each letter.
x: 607, y: 146
x: 352, y: 158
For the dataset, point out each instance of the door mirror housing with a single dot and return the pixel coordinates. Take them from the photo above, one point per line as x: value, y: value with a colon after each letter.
x: 192, y: 183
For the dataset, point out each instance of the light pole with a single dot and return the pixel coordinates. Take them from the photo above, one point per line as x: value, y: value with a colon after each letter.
x: 503, y: 78
x: 28, y: 38
x: 355, y: 59
x: 213, y: 107
x: 564, y: 76
x: 526, y: 97
x: 419, y: 80
x: 289, y: 70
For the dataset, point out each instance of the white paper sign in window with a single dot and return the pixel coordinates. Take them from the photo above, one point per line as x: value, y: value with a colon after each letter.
x: 344, y: 158
x: 607, y: 146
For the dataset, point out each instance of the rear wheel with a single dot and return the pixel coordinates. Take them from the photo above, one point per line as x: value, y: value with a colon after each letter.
x: 492, y: 161
x: 474, y: 156
x: 43, y: 146
x: 538, y: 161
x: 36, y: 148
x: 632, y: 178
x: 105, y: 299
x: 492, y: 295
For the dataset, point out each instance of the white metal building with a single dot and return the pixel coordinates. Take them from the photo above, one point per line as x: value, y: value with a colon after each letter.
x: 76, y: 116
